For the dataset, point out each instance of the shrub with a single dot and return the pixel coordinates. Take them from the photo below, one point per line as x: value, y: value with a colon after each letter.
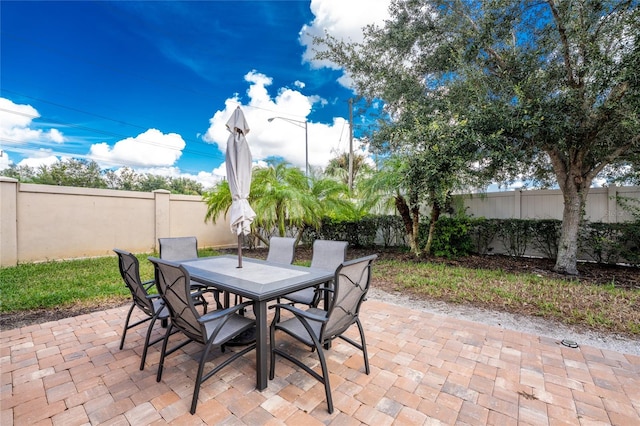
x: 452, y: 237
x: 391, y: 230
x: 361, y: 233
x: 630, y: 251
x: 482, y: 232
x: 461, y: 235
x: 611, y: 242
x: 515, y: 234
x: 546, y: 234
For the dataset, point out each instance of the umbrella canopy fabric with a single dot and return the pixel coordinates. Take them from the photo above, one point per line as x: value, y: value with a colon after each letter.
x: 238, y: 161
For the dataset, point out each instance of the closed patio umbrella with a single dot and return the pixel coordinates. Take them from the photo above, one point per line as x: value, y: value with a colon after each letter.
x: 238, y: 161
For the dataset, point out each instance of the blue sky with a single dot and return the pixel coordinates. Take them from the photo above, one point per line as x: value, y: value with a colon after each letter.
x: 150, y: 85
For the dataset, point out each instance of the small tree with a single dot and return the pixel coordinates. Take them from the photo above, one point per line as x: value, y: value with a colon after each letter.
x: 284, y: 199
x: 338, y: 167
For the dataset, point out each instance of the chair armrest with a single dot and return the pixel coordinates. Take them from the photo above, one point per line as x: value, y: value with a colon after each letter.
x: 324, y: 289
x: 148, y: 284
x: 200, y: 289
x: 299, y: 312
x: 222, y: 313
x: 203, y: 287
x: 196, y: 293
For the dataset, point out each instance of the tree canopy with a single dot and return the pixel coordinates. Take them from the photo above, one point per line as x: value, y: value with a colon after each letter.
x: 548, y: 90
x: 83, y: 173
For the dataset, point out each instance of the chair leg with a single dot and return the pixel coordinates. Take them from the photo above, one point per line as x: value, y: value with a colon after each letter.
x: 237, y: 302
x: 364, y: 346
x: 163, y: 352
x: 272, y: 344
x: 146, y: 342
x: 196, y: 389
x: 325, y: 376
x: 126, y: 325
x: 200, y: 378
x: 216, y: 297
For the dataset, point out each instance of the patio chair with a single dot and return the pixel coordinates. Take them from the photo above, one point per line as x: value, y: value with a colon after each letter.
x: 281, y: 250
x: 316, y: 327
x: 151, y: 304
x: 178, y: 248
x: 326, y: 255
x: 183, y: 248
x: 211, y: 330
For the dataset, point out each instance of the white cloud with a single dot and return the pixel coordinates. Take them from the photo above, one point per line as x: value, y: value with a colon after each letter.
x: 5, y: 161
x: 149, y: 149
x: 16, y: 125
x: 207, y: 179
x: 43, y: 157
x: 56, y: 136
x: 220, y: 173
x: 341, y: 19
x: 280, y: 138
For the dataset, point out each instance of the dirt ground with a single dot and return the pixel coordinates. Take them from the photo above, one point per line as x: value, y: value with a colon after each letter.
x: 622, y: 276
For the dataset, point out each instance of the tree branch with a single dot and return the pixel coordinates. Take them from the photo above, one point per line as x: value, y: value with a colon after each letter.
x: 566, y: 51
x: 609, y: 159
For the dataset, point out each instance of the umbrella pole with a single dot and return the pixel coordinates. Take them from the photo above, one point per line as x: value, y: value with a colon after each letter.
x: 240, y: 250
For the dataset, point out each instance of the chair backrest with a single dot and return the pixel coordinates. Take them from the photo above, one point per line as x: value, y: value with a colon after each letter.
x: 281, y: 250
x: 174, y: 286
x: 328, y: 255
x: 130, y: 271
x: 178, y: 248
x: 351, y: 284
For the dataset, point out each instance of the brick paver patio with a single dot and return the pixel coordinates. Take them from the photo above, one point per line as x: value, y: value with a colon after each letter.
x: 425, y: 369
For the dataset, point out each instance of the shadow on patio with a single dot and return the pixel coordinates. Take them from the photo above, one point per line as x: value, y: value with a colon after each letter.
x: 425, y: 369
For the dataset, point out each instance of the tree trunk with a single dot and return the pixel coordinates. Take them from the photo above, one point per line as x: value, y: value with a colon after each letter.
x: 574, y: 202
x: 574, y: 183
x: 282, y: 228
x: 408, y: 221
x: 415, y: 215
x: 435, y: 215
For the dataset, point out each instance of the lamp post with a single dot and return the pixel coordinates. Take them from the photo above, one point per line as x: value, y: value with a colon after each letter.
x: 302, y: 124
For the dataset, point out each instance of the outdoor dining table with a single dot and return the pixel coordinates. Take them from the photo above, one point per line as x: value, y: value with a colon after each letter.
x: 259, y: 281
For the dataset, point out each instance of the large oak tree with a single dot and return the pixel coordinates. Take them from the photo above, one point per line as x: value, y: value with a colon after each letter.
x: 551, y: 87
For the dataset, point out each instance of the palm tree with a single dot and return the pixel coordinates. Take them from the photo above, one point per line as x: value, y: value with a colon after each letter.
x: 218, y: 201
x: 388, y: 189
x: 333, y: 199
x: 283, y: 199
x: 338, y: 167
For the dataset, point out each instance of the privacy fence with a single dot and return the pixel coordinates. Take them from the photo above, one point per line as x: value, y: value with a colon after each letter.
x: 43, y: 222
x: 603, y: 204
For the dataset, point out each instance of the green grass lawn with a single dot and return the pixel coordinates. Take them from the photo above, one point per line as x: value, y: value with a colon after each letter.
x: 599, y: 307
x: 60, y: 284
x: 94, y: 282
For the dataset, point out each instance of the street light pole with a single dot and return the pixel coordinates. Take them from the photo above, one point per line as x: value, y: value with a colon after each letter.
x: 303, y: 124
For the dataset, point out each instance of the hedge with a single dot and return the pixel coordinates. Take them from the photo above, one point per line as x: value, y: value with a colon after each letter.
x: 600, y: 242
